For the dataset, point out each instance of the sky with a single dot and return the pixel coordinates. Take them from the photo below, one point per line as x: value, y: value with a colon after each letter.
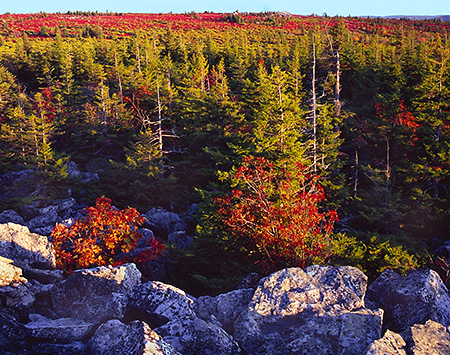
x: 298, y: 7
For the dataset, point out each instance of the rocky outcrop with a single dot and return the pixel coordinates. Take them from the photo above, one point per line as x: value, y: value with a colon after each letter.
x: 411, y: 299
x: 95, y: 295
x: 319, y: 310
x: 159, y: 303
x: 194, y: 336
x: 25, y: 248
x: 420, y: 339
x: 136, y: 338
x: 107, y: 310
x: 168, y: 225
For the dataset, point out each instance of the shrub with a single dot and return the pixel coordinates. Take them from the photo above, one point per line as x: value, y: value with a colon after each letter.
x: 102, y: 237
x: 279, y: 211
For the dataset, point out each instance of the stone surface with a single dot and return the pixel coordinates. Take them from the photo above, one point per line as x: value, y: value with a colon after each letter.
x: 194, y: 336
x: 13, y: 337
x: 17, y: 296
x: 428, y: 338
x: 22, y: 246
x: 158, y: 303
x: 44, y: 223
x: 390, y: 344
x: 95, y: 295
x: 224, y: 308
x: 9, y: 273
x: 58, y: 330
x: 420, y: 339
x: 10, y: 216
x: 411, y: 299
x: 163, y: 222
x: 319, y: 310
x: 73, y: 348
x: 116, y: 338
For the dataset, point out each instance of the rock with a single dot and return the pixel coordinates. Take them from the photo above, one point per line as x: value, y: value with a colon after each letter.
x: 17, y: 297
x: 411, y: 299
x: 13, y: 339
x: 44, y: 223
x: 319, y: 310
x: 116, y: 338
x: 95, y: 295
x: 158, y: 303
x: 44, y: 276
x: 390, y: 344
x: 179, y: 239
x: 224, y: 308
x: 420, y: 339
x: 194, y: 336
x: 60, y: 330
x: 428, y: 338
x: 250, y: 281
x: 73, y: 348
x: 22, y: 246
x: 72, y: 170
x: 9, y: 273
x: 10, y: 216
x: 163, y: 222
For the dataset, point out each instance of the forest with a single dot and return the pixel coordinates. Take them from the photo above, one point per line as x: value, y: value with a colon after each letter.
x: 295, y: 139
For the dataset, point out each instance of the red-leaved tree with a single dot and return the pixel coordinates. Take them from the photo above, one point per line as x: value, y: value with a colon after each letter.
x: 279, y: 211
x: 102, y: 237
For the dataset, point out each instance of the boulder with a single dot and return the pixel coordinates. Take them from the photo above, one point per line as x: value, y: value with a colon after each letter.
x: 9, y: 273
x: 319, y: 310
x: 224, y: 308
x: 420, y: 339
x: 194, y: 336
x: 17, y: 297
x: 72, y: 348
x: 95, y: 295
x: 410, y: 299
x: 44, y: 223
x: 163, y: 222
x: 10, y: 216
x: 22, y: 246
x: 158, y: 303
x: 13, y: 337
x: 136, y: 338
x: 62, y: 330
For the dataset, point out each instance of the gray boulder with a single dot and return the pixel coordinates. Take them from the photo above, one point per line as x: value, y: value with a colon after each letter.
x: 22, y: 246
x: 10, y: 216
x: 163, y: 222
x: 420, y: 339
x: 44, y: 223
x: 62, y: 330
x: 411, y: 299
x: 158, y: 303
x: 224, y: 308
x: 13, y: 337
x: 72, y: 348
x: 319, y: 310
x: 194, y: 336
x: 18, y: 297
x: 136, y: 338
x: 95, y: 295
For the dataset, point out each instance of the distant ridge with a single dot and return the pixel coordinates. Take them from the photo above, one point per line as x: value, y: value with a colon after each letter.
x: 438, y: 17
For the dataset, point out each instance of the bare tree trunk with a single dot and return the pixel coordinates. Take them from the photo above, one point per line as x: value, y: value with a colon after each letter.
x: 355, y: 189
x: 337, y: 86
x: 314, y: 109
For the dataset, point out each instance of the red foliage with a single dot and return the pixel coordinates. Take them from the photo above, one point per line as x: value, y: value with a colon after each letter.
x: 279, y: 212
x: 100, y: 237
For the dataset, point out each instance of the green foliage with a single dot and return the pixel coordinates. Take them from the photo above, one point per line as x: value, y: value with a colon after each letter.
x: 373, y: 254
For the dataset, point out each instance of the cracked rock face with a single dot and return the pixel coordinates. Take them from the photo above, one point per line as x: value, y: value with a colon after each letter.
x: 420, y: 339
x: 22, y: 246
x: 411, y: 299
x: 194, y: 336
x: 95, y: 295
x: 159, y: 303
x: 319, y: 310
x: 136, y: 338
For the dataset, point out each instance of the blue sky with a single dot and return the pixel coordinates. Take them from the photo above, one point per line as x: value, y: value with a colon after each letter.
x: 300, y: 7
